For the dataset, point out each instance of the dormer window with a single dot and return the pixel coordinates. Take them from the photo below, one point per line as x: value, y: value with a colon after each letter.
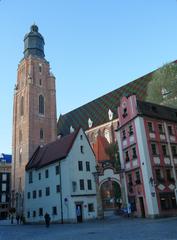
x: 125, y: 112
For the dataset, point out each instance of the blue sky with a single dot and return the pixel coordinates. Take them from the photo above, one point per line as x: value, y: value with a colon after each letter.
x: 93, y: 46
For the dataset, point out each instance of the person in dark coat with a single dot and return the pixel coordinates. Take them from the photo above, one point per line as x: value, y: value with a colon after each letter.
x: 47, y: 219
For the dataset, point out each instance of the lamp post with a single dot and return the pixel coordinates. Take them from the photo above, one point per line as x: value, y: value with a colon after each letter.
x: 99, y: 202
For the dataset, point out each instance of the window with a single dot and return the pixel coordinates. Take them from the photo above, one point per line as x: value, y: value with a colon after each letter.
x: 123, y: 134
x: 40, y: 193
x: 107, y: 135
x: 41, y: 104
x: 54, y: 210
x: 41, y: 134
x: 4, y: 177
x: 22, y: 106
x: 173, y: 149
x: 28, y: 195
x: 74, y: 186
x: 82, y: 149
x: 39, y: 176
x: 150, y: 127
x: 57, y: 170
x: 47, y: 191
x: 134, y: 155
x: 170, y: 130
x: 34, y: 213
x: 130, y: 130
x: 167, y: 201
x: 127, y: 156
x: 159, y: 176
x: 169, y: 175
x: 89, y: 184
x: 87, y: 166
x: 161, y: 130
x: 124, y: 112
x: 164, y: 150
x: 40, y: 81
x: 81, y: 137
x: 80, y: 166
x: 40, y: 211
x: 40, y: 68
x: 81, y: 184
x: 130, y: 183
x: 20, y: 136
x: 90, y: 207
x: 138, y: 180
x: 30, y: 177
x: 46, y: 173
x: 153, y: 147
x: 57, y: 188
x: 34, y: 194
x: 28, y: 214
x: 20, y: 157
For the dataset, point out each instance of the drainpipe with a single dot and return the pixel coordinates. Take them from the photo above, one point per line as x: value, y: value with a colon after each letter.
x: 61, y: 198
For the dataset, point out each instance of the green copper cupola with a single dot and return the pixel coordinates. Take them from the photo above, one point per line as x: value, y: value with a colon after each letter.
x: 34, y: 43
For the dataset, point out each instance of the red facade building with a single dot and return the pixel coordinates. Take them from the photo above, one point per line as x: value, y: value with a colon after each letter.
x: 147, y: 139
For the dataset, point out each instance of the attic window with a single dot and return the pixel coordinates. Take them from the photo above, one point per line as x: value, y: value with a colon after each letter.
x: 124, y: 112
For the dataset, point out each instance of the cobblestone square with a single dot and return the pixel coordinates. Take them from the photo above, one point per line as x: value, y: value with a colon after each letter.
x: 108, y: 229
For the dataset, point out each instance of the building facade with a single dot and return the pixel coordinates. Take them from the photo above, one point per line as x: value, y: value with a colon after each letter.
x: 5, y: 184
x: 61, y: 182
x: 147, y: 139
x: 34, y: 110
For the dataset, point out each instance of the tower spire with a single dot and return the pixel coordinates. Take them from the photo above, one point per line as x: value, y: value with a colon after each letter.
x: 34, y: 43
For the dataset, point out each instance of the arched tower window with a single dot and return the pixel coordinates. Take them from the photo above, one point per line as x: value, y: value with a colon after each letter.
x: 41, y: 134
x: 41, y: 104
x: 22, y: 106
x: 20, y: 136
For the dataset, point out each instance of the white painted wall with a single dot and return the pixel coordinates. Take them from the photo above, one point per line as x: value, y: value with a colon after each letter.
x: 146, y: 167
x: 69, y: 173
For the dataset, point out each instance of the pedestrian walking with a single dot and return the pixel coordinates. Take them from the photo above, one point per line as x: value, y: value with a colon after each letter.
x: 18, y: 219
x: 12, y: 219
x: 47, y: 219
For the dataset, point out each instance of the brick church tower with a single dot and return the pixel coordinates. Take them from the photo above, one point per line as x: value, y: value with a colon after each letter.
x: 34, y: 110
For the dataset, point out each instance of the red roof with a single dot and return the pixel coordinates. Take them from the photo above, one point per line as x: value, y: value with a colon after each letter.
x: 52, y: 152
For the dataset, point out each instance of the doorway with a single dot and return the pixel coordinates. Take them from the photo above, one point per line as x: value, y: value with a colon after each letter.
x: 142, y: 207
x: 79, y: 212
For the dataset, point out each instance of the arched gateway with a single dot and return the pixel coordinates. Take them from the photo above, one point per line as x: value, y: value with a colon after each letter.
x: 110, y: 189
x: 110, y: 194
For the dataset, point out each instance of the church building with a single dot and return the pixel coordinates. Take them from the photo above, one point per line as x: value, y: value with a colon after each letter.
x: 34, y: 110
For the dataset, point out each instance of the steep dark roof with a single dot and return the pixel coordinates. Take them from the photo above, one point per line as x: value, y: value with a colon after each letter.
x: 52, y: 152
x: 157, y: 111
x: 97, y: 110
